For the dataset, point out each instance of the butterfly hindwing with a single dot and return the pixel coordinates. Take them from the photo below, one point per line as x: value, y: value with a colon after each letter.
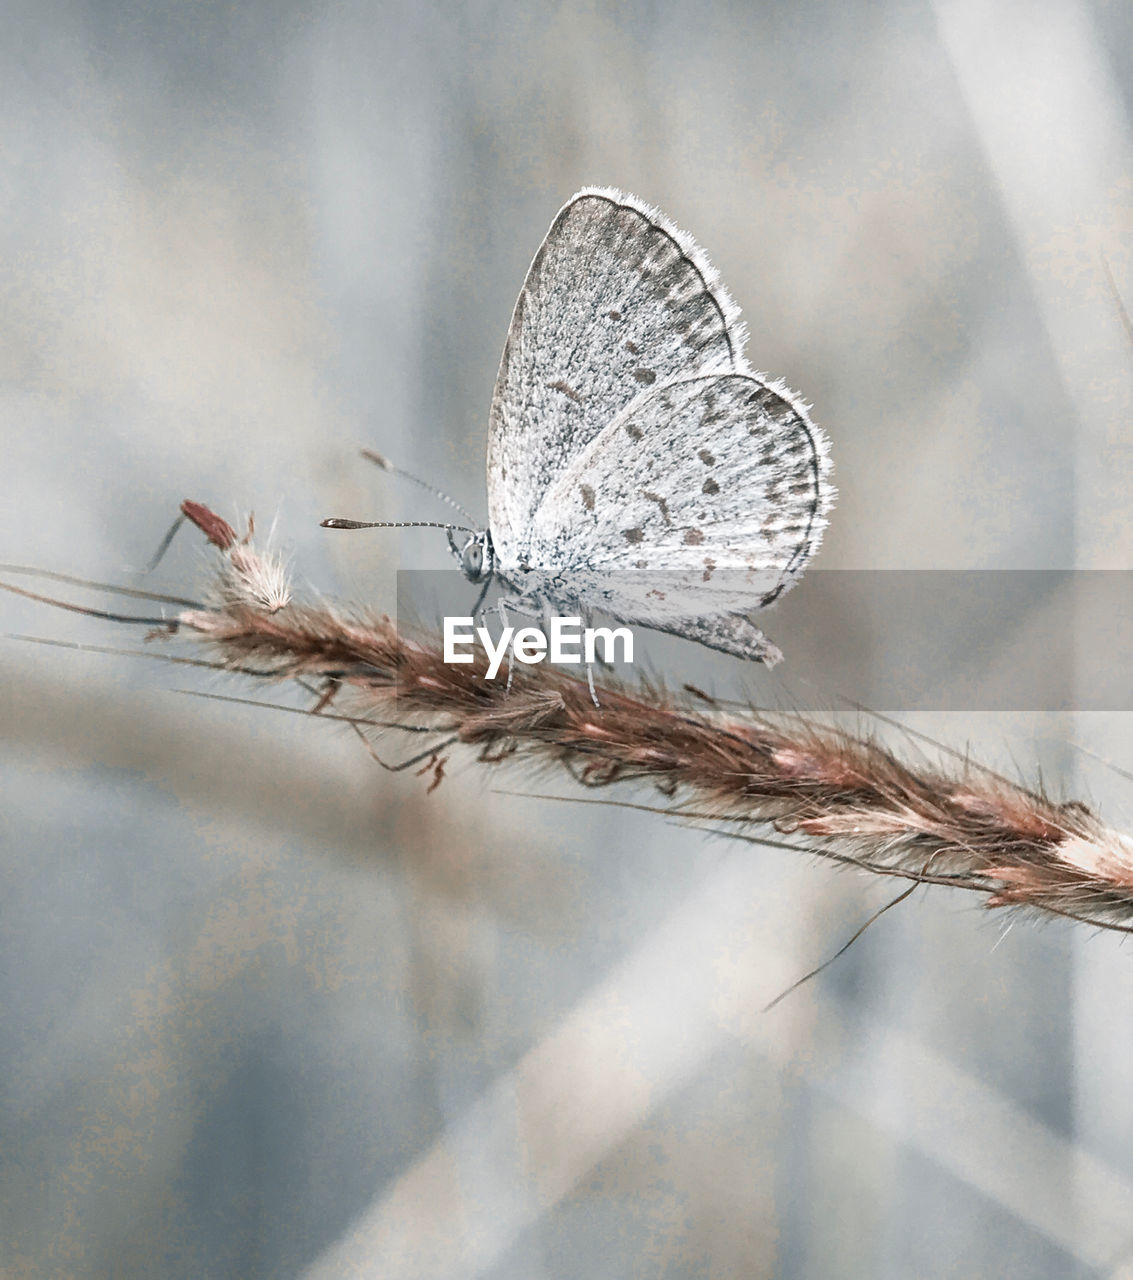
x: 715, y: 485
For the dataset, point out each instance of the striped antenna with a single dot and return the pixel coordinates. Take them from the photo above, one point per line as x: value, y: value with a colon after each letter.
x: 380, y: 460
x: 336, y: 523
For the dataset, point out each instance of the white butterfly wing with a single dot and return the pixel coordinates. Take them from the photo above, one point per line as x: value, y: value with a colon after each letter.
x: 704, y: 496
x: 617, y: 300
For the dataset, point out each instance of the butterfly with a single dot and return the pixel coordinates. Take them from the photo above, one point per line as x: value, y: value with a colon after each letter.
x: 637, y: 464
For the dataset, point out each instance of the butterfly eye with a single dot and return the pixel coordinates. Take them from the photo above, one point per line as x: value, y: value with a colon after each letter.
x: 473, y: 562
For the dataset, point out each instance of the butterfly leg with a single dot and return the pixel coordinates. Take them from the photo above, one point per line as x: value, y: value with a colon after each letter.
x: 502, y: 606
x: 588, y: 621
x: 590, y: 684
x: 529, y: 609
x: 478, y: 608
x: 501, y: 609
x: 603, y: 663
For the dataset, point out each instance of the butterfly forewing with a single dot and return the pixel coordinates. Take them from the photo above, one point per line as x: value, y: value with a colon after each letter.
x: 616, y: 301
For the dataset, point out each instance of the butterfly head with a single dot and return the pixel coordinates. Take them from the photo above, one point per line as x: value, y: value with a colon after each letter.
x: 475, y: 557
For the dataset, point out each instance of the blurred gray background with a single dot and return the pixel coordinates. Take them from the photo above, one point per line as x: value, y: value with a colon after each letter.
x: 267, y: 1011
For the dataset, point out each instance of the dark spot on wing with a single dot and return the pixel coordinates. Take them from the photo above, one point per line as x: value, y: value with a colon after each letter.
x: 694, y: 538
x: 645, y: 376
x: 633, y: 432
x: 656, y: 497
x: 633, y: 535
x: 706, y: 457
x: 632, y: 348
x: 709, y: 567
x: 566, y: 389
x: 640, y: 564
x: 710, y: 486
x: 587, y: 496
x: 614, y: 315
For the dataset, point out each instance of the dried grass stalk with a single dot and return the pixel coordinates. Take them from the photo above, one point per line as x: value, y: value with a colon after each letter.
x: 842, y: 795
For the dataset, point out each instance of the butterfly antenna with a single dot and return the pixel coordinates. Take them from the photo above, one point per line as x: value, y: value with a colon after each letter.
x: 336, y: 523
x: 380, y: 460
